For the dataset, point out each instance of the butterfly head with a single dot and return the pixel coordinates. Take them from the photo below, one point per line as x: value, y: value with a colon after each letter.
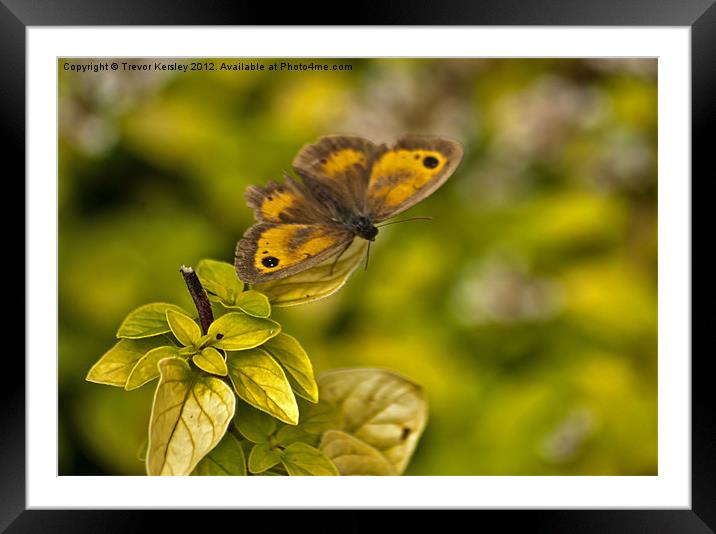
x: 365, y: 228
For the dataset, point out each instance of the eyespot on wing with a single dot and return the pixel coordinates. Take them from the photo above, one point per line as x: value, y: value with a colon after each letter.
x: 271, y: 251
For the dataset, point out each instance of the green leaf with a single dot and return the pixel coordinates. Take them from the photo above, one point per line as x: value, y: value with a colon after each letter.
x: 184, y: 328
x: 254, y: 425
x: 381, y: 408
x: 147, y: 321
x: 115, y: 365
x: 261, y: 382
x: 352, y: 456
x: 189, y: 417
x: 211, y: 361
x: 146, y: 368
x: 315, y: 283
x: 238, y: 331
x: 300, y: 459
x: 290, y: 354
x: 253, y: 303
x: 317, y: 418
x: 288, y: 434
x: 223, y: 286
x: 220, y: 281
x: 246, y: 446
x: 263, y: 457
x: 226, y: 459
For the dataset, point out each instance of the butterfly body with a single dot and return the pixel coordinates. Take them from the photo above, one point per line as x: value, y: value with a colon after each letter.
x: 348, y: 184
x: 363, y: 227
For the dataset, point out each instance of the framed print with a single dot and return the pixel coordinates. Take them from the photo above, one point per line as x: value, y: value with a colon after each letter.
x: 527, y: 347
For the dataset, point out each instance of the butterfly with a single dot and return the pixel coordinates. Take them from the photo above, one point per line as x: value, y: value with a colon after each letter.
x: 348, y: 184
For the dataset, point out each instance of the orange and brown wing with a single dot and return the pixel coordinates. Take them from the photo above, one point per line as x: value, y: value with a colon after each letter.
x: 288, y: 202
x: 268, y: 251
x: 336, y: 169
x: 407, y: 173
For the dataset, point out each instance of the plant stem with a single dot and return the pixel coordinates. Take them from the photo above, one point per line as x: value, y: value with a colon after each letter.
x: 201, y: 301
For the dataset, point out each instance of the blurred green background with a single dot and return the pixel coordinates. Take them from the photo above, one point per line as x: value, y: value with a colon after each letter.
x: 527, y: 308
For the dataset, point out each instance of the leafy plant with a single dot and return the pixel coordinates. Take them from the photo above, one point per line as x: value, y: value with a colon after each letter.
x: 236, y: 395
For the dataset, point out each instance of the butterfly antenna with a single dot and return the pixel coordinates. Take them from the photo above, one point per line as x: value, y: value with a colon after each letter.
x: 405, y: 220
x: 367, y: 257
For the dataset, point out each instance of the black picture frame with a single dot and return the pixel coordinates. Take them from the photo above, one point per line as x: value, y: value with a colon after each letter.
x: 699, y: 15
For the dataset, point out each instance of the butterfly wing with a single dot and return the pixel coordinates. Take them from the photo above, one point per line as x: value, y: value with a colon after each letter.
x: 270, y: 250
x: 289, y: 202
x: 407, y: 173
x: 336, y: 170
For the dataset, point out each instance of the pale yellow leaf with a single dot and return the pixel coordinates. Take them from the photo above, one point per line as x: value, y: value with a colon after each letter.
x: 190, y: 414
x: 354, y: 457
x: 184, y: 328
x: 220, y: 281
x: 211, y: 361
x: 115, y: 365
x: 253, y: 303
x: 290, y: 354
x: 381, y: 408
x: 146, y: 368
x: 146, y: 321
x: 261, y: 382
x: 238, y: 331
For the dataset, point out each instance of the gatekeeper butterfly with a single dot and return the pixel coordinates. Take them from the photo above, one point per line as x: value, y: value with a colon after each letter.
x: 348, y: 184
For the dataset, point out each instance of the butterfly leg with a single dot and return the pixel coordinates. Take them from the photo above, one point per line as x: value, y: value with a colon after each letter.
x: 338, y: 257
